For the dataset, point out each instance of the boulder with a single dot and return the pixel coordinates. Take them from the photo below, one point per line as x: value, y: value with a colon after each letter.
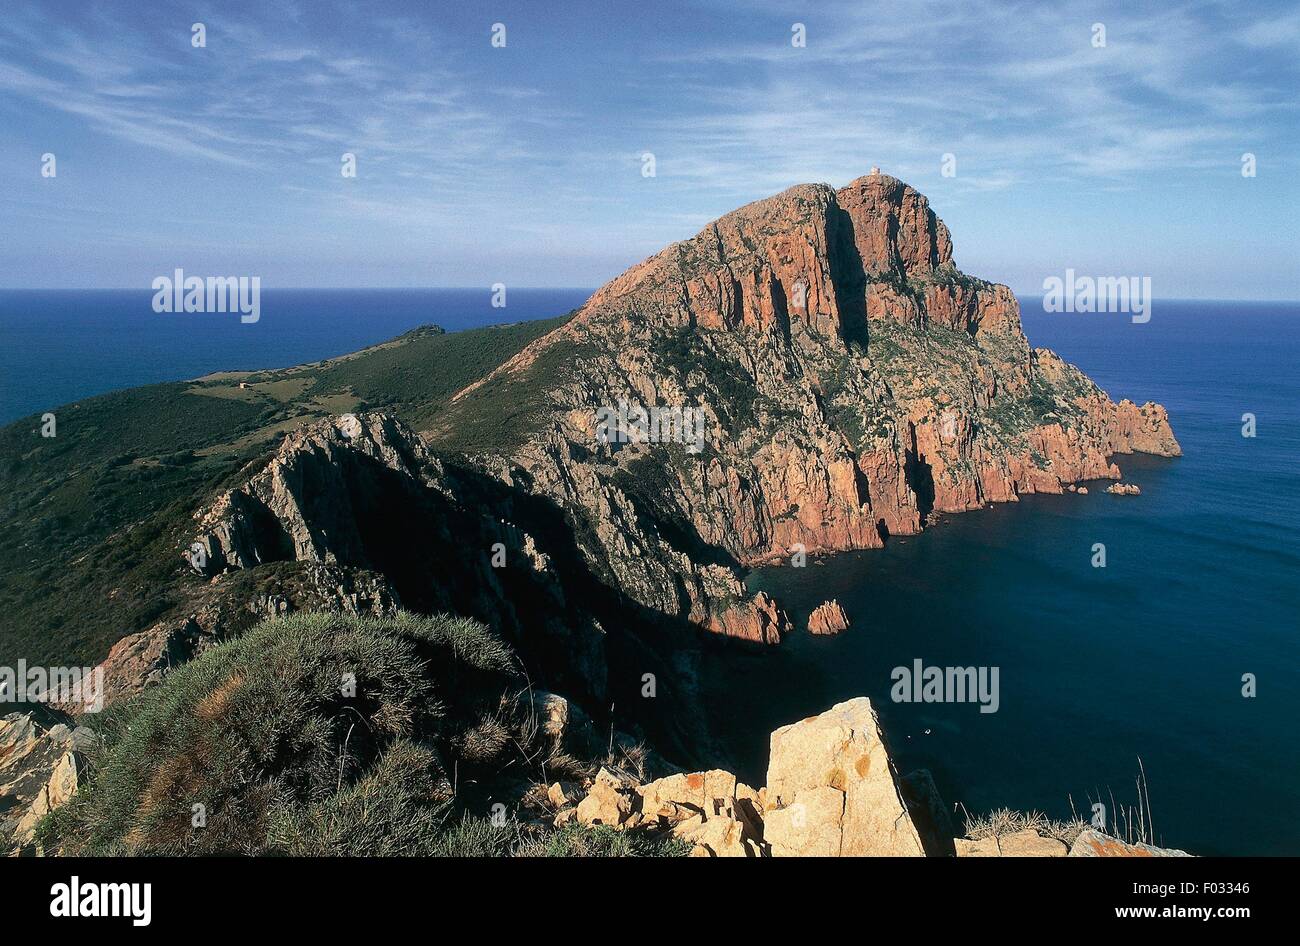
x: 1124, y: 489
x: 719, y: 815
x: 563, y: 723
x: 1029, y: 843
x: 562, y: 794
x: 984, y: 847
x: 1093, y: 843
x: 832, y: 789
x: 607, y: 801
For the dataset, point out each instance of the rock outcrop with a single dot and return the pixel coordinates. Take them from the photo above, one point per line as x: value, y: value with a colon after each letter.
x: 226, y: 608
x: 1029, y: 842
x: 359, y: 498
x: 1093, y: 843
x: 832, y: 791
x: 41, y: 761
x: 851, y: 382
x: 828, y: 618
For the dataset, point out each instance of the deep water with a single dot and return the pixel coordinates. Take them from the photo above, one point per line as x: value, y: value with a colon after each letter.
x: 58, y: 346
x: 1098, y: 667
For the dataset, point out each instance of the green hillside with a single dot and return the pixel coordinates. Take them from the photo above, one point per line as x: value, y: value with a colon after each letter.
x: 92, y: 521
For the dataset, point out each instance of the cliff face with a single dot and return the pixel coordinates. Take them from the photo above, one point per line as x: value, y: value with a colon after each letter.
x: 853, y: 383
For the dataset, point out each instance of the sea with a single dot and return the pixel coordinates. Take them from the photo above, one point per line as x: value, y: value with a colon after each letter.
x: 1176, y: 663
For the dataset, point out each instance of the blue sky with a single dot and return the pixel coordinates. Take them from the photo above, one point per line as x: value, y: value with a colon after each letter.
x: 523, y: 164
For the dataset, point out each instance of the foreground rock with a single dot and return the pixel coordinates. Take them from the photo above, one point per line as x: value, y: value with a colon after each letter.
x: 832, y: 790
x: 1095, y: 844
x: 828, y: 618
x: 40, y: 767
x: 1030, y: 843
x: 1124, y: 489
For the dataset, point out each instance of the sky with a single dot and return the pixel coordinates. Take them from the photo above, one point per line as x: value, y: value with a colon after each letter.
x: 523, y: 164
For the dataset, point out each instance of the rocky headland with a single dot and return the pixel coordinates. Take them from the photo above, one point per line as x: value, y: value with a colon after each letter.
x: 848, y: 383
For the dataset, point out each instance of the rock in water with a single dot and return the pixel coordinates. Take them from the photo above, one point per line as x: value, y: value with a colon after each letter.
x: 828, y: 619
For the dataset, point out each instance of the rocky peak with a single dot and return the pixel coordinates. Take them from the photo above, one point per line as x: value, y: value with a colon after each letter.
x: 894, y: 229
x: 803, y: 256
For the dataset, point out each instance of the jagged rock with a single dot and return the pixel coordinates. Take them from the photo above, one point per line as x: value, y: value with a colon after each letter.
x: 832, y: 789
x: 1124, y: 489
x: 1142, y: 429
x: 828, y: 618
x: 40, y: 767
x: 1092, y: 843
x: 716, y: 837
x: 562, y: 794
x: 720, y: 816
x: 361, y: 495
x: 608, y: 802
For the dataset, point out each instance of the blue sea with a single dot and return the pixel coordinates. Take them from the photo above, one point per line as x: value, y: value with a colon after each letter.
x: 1098, y: 667
x: 58, y: 346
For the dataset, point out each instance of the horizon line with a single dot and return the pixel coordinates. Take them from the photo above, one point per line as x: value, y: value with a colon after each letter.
x: 488, y: 289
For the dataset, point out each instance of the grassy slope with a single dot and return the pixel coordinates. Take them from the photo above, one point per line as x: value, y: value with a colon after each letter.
x: 286, y: 760
x: 93, y: 520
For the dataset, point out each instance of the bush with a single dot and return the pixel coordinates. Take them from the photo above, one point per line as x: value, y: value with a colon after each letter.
x: 324, y: 735
x: 288, y: 732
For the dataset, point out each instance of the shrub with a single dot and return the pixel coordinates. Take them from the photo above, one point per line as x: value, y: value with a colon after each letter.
x: 265, y: 733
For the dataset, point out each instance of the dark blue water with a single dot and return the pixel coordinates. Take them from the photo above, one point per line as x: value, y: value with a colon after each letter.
x: 1098, y: 666
x: 57, y: 346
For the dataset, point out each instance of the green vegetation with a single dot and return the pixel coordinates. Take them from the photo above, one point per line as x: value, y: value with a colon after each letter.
x: 415, y: 374
x: 709, y: 378
x: 324, y: 734
x: 92, y: 521
x: 504, y: 411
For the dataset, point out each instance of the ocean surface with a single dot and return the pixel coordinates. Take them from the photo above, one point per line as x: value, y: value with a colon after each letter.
x: 1098, y: 667
x: 58, y: 346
